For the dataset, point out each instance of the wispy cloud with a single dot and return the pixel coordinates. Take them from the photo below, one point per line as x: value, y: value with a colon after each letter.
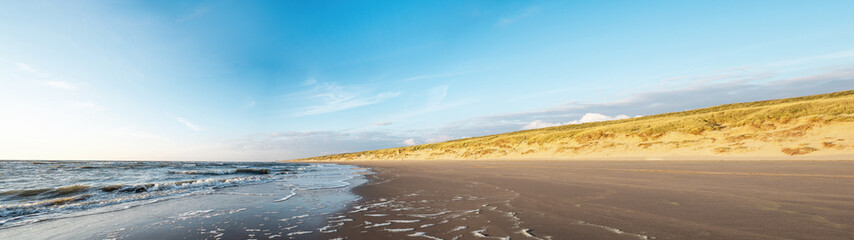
x: 816, y: 58
x: 198, y: 12
x: 61, y: 84
x: 511, y: 19
x: 347, y: 103
x: 87, y: 105
x: 296, y: 144
x: 765, y: 72
x: 435, y: 100
x: 333, y: 98
x: 438, y: 138
x: 26, y: 68
x: 437, y: 95
x: 309, y: 82
x: 41, y: 74
x: 440, y: 75
x: 382, y: 123
x: 189, y: 124
x: 250, y: 102
x: 731, y: 75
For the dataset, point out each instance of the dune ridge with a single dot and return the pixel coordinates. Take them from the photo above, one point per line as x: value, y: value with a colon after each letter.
x: 817, y: 125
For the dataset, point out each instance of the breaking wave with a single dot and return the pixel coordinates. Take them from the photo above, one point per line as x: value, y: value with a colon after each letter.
x: 32, y: 189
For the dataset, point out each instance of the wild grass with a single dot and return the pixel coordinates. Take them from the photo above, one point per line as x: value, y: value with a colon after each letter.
x: 760, y: 116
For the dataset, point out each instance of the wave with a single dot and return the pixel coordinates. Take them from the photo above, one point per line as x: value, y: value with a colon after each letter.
x: 121, y: 193
x: 39, y: 190
x: 224, y: 171
x: 43, y: 193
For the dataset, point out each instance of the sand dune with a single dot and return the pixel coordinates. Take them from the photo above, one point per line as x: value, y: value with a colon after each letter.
x: 818, y: 127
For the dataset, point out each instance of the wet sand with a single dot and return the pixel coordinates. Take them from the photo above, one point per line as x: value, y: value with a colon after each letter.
x: 603, y: 200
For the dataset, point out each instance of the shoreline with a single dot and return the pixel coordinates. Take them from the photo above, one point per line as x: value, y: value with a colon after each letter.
x: 298, y: 206
x: 603, y: 200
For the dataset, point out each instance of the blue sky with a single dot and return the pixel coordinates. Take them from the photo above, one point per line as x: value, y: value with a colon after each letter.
x: 269, y: 80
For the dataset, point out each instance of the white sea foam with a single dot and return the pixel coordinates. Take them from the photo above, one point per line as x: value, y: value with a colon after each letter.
x: 299, y: 233
x: 328, y: 228
x: 614, y: 230
x: 379, y: 225
x: 422, y: 234
x: 458, y: 228
x: 293, y: 193
x: 428, y: 214
x: 405, y: 221
x: 192, y: 214
x: 294, y: 217
x: 480, y: 234
x: 399, y: 229
x: 527, y: 233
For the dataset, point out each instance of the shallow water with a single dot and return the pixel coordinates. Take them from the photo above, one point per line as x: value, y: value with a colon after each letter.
x: 33, y: 192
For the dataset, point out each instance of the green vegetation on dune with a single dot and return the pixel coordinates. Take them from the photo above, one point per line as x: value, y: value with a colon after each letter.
x: 759, y: 116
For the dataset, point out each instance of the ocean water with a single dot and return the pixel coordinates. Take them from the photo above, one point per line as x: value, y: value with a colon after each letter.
x: 33, y: 192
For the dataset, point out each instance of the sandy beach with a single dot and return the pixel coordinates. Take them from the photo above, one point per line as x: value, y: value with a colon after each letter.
x: 603, y: 200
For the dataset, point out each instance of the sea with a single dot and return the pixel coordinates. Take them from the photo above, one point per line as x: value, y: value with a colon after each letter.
x: 165, y: 199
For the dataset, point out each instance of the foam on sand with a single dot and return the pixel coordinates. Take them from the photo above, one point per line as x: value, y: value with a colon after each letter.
x: 424, y: 235
x: 614, y: 230
x: 399, y: 229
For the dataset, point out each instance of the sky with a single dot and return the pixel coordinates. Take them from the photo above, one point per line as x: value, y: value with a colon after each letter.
x: 276, y: 80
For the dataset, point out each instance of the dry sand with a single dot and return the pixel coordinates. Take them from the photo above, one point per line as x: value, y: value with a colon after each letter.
x: 603, y: 200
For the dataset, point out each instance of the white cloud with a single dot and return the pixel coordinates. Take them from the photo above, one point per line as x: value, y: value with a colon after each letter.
x: 26, y: 68
x: 61, y: 84
x: 409, y: 142
x: 440, y: 138
x: 309, y: 82
x: 382, y: 123
x: 587, y: 118
x: 539, y: 124
x: 189, y: 124
x: 597, y: 117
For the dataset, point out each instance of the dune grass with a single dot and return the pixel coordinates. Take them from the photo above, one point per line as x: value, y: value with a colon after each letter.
x: 759, y: 116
